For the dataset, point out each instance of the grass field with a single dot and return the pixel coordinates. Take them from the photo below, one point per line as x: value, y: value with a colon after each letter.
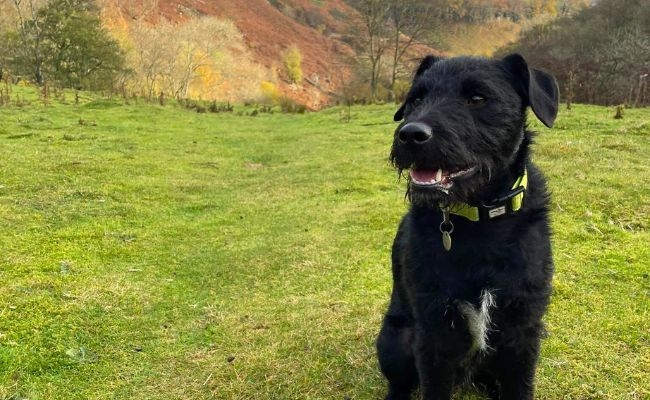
x: 150, y: 252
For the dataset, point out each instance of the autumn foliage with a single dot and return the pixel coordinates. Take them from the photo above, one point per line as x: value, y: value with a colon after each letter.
x: 203, y: 58
x: 293, y: 64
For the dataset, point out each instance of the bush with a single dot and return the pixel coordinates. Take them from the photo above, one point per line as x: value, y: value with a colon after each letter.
x: 270, y: 92
x: 293, y: 65
x: 289, y: 106
x: 215, y: 107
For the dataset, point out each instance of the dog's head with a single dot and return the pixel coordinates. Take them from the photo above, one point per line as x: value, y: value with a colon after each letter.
x: 463, y: 123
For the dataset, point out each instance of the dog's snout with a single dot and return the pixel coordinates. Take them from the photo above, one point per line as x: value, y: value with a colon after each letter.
x: 414, y: 132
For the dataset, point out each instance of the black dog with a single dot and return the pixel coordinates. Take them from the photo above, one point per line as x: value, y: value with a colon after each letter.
x: 472, y: 262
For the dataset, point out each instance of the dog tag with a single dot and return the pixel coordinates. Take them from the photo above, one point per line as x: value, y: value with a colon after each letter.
x: 446, y: 234
x: 446, y: 240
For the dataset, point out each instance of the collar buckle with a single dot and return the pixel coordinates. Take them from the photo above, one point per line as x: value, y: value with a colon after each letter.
x: 500, y: 206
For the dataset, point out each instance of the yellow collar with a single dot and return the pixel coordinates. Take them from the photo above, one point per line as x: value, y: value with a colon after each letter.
x: 506, y: 204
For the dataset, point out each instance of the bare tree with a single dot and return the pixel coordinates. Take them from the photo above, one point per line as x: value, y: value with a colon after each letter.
x: 31, y: 34
x: 411, y: 21
x: 598, y: 55
x: 375, y: 14
x: 198, y: 43
x: 147, y: 57
x: 174, y: 58
x: 6, y: 25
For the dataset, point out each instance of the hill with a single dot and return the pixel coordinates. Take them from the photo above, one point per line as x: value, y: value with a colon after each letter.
x: 270, y: 31
x: 306, y: 51
x: 327, y: 34
x: 269, y: 28
x: 238, y: 51
x: 599, y: 56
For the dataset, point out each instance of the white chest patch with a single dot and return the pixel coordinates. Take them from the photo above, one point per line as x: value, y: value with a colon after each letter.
x: 478, y: 319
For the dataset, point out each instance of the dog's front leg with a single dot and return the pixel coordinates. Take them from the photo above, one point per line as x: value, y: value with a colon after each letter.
x: 517, y: 370
x: 436, y: 369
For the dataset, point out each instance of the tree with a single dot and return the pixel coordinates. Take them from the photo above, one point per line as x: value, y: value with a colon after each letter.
x: 81, y: 53
x: 27, y: 45
x: 147, y: 57
x: 389, y: 29
x: 598, y: 55
x: 7, y: 22
x: 411, y: 21
x: 293, y: 64
x: 63, y: 41
x: 178, y: 59
x: 375, y: 14
x: 198, y: 45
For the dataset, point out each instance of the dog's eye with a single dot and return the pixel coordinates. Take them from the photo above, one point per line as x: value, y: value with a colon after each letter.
x: 412, y: 105
x: 476, y: 100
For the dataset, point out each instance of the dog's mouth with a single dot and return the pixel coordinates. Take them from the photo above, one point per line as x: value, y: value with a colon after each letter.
x: 439, y: 179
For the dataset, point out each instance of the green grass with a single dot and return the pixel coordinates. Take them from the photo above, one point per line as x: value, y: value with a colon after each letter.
x: 157, y: 253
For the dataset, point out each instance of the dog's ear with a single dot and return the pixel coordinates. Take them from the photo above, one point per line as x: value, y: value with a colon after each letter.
x: 540, y: 88
x: 399, y: 114
x: 425, y: 64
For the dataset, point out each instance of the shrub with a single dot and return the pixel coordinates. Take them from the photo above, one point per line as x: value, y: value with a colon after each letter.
x: 293, y: 64
x: 289, y: 106
x: 270, y: 92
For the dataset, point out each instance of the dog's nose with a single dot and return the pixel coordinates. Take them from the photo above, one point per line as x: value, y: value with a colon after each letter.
x: 414, y: 132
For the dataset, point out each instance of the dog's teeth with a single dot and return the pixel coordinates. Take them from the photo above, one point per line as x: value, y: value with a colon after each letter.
x: 438, y: 175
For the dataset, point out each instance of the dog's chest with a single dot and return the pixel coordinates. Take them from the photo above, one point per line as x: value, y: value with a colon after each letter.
x: 466, y: 281
x: 478, y: 319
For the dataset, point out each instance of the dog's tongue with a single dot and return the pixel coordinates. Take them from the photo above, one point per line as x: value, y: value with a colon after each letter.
x: 427, y: 175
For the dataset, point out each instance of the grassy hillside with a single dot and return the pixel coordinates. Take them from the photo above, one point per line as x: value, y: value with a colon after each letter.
x: 157, y: 253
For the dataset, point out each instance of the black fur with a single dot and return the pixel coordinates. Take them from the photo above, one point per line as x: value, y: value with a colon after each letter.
x: 469, y: 113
